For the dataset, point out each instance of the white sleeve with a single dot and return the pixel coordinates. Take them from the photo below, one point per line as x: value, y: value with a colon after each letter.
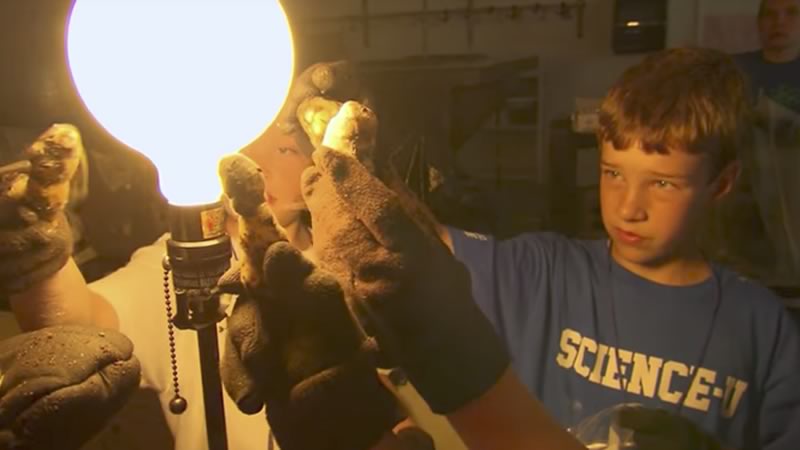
x: 136, y: 292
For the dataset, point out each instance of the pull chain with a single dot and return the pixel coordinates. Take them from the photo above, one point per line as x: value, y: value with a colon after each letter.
x: 178, y: 404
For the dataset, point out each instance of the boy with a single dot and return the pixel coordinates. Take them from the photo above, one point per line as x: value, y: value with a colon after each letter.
x: 643, y: 317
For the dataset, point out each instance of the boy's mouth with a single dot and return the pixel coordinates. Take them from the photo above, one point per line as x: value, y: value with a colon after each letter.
x: 627, y: 237
x: 777, y: 35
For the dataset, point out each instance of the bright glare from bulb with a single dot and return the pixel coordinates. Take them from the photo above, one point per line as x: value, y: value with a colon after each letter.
x: 182, y: 81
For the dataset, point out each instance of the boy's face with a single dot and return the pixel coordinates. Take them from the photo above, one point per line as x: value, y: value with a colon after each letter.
x: 653, y: 203
x: 282, y: 163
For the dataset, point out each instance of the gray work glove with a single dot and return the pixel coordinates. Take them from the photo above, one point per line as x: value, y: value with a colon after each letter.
x: 294, y: 348
x: 35, y: 237
x: 333, y: 80
x: 293, y: 345
x: 657, y: 429
x: 59, y: 385
x: 317, y: 96
x: 398, y: 272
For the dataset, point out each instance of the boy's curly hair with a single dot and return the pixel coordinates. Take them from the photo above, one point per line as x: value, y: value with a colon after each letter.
x: 682, y: 99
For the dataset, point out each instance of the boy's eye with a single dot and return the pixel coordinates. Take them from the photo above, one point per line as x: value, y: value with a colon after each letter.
x: 285, y: 150
x: 663, y: 184
x: 611, y: 173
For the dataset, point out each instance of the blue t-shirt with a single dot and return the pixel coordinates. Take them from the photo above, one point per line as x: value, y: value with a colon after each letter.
x: 779, y: 82
x: 550, y: 298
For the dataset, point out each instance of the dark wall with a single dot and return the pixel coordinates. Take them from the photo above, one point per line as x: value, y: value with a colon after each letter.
x: 35, y: 87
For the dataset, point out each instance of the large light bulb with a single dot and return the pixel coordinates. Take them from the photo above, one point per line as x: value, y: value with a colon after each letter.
x: 182, y: 81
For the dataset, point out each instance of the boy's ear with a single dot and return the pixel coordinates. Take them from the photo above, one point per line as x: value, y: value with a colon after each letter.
x: 726, y: 179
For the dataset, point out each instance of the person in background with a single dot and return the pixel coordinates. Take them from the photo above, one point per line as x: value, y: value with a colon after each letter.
x: 684, y: 353
x: 644, y: 317
x: 774, y: 69
x: 760, y: 221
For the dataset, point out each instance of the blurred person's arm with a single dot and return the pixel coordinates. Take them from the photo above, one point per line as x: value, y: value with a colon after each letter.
x: 506, y: 416
x: 62, y: 299
x: 37, y: 274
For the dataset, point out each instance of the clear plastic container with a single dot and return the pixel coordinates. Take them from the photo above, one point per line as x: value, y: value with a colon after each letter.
x: 602, y: 432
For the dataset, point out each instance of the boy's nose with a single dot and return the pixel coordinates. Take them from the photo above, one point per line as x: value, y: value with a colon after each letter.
x: 632, y: 206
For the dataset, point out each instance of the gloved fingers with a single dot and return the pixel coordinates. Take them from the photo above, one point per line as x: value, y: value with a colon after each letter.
x: 231, y: 281
x: 305, y: 308
x: 364, y: 409
x: 55, y: 154
x: 33, y: 254
x: 642, y: 419
x: 17, y: 240
x: 248, y: 337
x: 313, y: 115
x: 242, y: 182
x: 55, y: 157
x: 336, y: 80
x: 324, y: 332
x: 31, y: 270
x: 45, y: 361
x: 14, y: 179
x: 285, y: 269
x: 68, y: 417
x: 339, y: 179
x: 37, y: 187
x: 240, y: 383
x: 646, y: 441
x: 353, y: 130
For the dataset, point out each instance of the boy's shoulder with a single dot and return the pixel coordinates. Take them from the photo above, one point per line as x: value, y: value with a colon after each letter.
x: 749, y: 294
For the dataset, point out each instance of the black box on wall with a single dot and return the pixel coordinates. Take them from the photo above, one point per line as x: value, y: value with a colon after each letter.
x: 639, y: 26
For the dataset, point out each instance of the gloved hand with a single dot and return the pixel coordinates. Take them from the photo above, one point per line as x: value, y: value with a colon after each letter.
x: 314, y: 110
x: 657, y: 429
x: 334, y: 80
x: 294, y: 348
x: 293, y: 345
x: 402, y: 276
x: 35, y: 238
x: 59, y: 385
